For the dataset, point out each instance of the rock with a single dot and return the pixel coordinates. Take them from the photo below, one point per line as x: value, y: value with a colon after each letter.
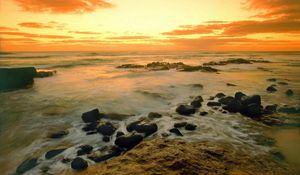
x: 128, y: 142
x: 234, y: 106
x: 198, y: 86
x: 289, y: 92
x: 79, y: 164
x: 185, y: 110
x: 153, y: 115
x: 132, y: 126
x: 272, y: 79
x: 175, y: 131
x: 26, y: 165
x: 229, y: 84
x: 225, y: 100
x: 246, y: 100
x: 130, y: 66
x: 58, y: 134
x: 106, y: 129
x: 16, y: 78
x: 270, y: 109
x: 106, y: 139
x: 120, y: 133
x: 239, y: 95
x: 91, y: 116
x: 54, y: 153
x: 271, y: 89
x: 148, y: 129
x: 213, y: 103
x: 188, y: 68
x: 282, y: 83
x: 180, y: 125
x: 117, y: 116
x: 204, y: 113
x: 220, y: 95
x: 85, y: 149
x: 190, y: 127
x: 196, y: 103
x: 252, y: 110
x: 115, y: 152
x: 45, y: 73
x: 90, y: 126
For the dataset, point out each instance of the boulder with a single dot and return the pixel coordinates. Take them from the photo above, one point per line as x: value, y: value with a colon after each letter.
x: 213, y: 103
x: 271, y: 89
x: 91, y: 116
x: 26, y: 165
x: 185, y: 110
x: 53, y: 153
x: 119, y: 133
x: 84, y: 149
x: 252, y: 110
x: 106, y: 129
x: 79, y: 164
x: 153, y: 115
x: 239, y: 95
x: 180, y: 125
x: 131, y: 127
x: 176, y: 131
x: 147, y: 129
x: 203, y: 113
x: 58, y: 134
x: 246, y: 100
x: 220, y: 95
x: 270, y: 109
x: 128, y: 142
x: 16, y: 78
x: 225, y: 100
x: 90, y: 126
x: 234, y: 106
x: 289, y: 92
x: 190, y: 127
x: 196, y: 103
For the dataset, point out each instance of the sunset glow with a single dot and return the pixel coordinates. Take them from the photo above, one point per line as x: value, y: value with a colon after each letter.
x: 135, y: 25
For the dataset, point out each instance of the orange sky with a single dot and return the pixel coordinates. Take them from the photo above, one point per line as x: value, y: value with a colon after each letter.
x: 156, y: 25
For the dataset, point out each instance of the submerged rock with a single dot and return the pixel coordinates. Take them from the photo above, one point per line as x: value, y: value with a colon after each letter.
x: 84, y: 149
x: 180, y: 125
x: 272, y: 79
x: 128, y: 142
x: 252, y: 110
x: 203, y: 113
x: 116, y: 151
x: 225, y: 100
x: 188, y: 68
x: 79, y: 164
x: 270, y: 109
x: 130, y: 66
x: 196, y: 103
x: 153, y: 115
x: 147, y: 129
x: 282, y: 83
x: 213, y: 103
x: 106, y: 129
x: 289, y: 110
x: 58, y: 134
x: 234, y: 106
x: 16, y: 78
x: 90, y: 126
x: 26, y: 165
x: 289, y: 92
x: 190, y: 127
x: 271, y: 89
x: 91, y: 116
x: 230, y: 84
x: 54, y: 153
x: 119, y: 133
x: 176, y: 131
x: 220, y: 95
x: 185, y: 110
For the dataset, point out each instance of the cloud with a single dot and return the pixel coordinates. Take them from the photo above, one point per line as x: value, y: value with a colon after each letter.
x: 198, y: 29
x: 85, y: 32
x: 7, y: 28
x: 35, y: 35
x: 129, y: 37
x: 38, y: 25
x: 63, y: 6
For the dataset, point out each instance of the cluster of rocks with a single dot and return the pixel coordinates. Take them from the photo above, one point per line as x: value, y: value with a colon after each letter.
x: 235, y: 61
x: 272, y: 88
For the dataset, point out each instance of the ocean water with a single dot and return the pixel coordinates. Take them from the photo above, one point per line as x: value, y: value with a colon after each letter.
x: 88, y: 80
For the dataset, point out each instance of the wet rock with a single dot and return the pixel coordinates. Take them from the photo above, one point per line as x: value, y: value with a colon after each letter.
x: 180, y: 125
x: 119, y: 133
x: 234, y: 106
x: 16, y: 78
x: 130, y: 66
x: 115, y: 152
x: 289, y: 92
x: 155, y: 66
x: 79, y: 164
x: 270, y: 109
x: 272, y: 79
x: 58, y: 134
x: 229, y: 84
x: 131, y: 127
x: 66, y: 160
x: 196, y: 103
x: 246, y: 100
x: 85, y: 149
x: 54, y: 153
x: 190, y: 127
x: 198, y: 86
x: 176, y: 131
x: 91, y: 116
x: 220, y: 95
x: 106, y: 129
x: 185, y: 110
x: 117, y: 116
x: 213, y: 103
x: 252, y: 110
x: 271, y: 89
x: 282, y: 83
x: 106, y: 139
x: 26, y: 165
x: 128, y: 142
x: 188, y: 68
x: 203, y: 113
x: 239, y: 95
x: 153, y: 115
x: 147, y: 129
x: 90, y: 126
x: 225, y: 100
x: 45, y: 73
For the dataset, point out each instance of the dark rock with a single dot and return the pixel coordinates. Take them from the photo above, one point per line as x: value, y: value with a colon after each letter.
x: 26, y: 165
x: 54, y: 153
x: 190, y: 127
x: 148, y: 129
x: 132, y: 126
x: 272, y: 79
x: 229, y: 84
x: 252, y: 110
x: 90, y: 126
x: 176, y: 131
x: 66, y: 160
x: 282, y: 83
x: 91, y: 116
x: 180, y: 125
x: 188, y: 68
x: 106, y: 129
x: 289, y: 92
x: 204, y: 113
x: 85, y: 149
x: 106, y: 139
x: 58, y: 134
x: 271, y: 89
x: 225, y: 100
x: 185, y: 110
x: 234, y: 106
x: 15, y: 78
x: 239, y: 95
x: 213, y: 103
x: 128, y: 142
x: 117, y: 116
x: 220, y: 95
x: 196, y: 103
x: 270, y: 109
x: 246, y: 100
x: 115, y: 152
x: 153, y: 115
x: 120, y: 133
x: 79, y: 164
x: 130, y: 66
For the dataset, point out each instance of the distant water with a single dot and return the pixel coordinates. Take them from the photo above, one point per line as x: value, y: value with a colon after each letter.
x: 88, y: 80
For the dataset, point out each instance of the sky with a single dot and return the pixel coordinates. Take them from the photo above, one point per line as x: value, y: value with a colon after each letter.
x: 149, y: 25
